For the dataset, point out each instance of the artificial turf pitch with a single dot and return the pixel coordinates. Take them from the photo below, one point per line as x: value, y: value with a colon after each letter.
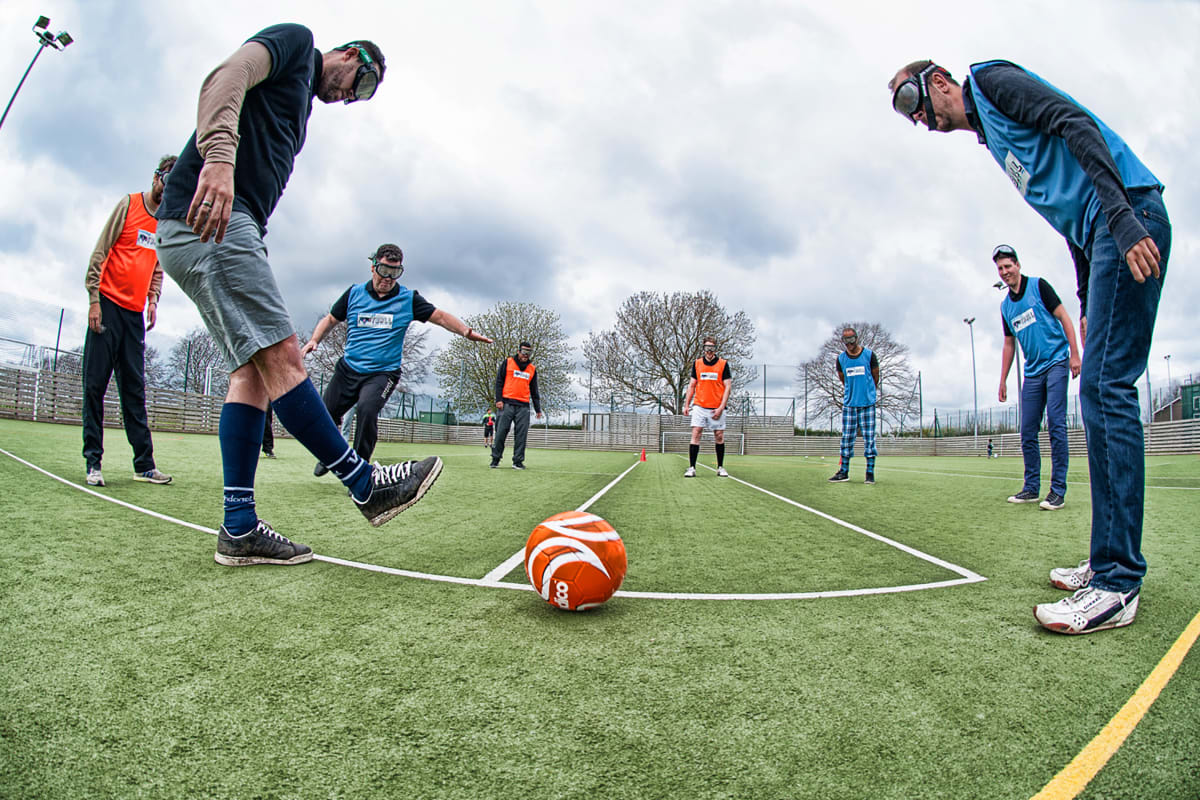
x: 132, y: 665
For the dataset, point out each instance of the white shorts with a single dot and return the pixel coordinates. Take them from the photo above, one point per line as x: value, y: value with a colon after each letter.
x: 702, y: 418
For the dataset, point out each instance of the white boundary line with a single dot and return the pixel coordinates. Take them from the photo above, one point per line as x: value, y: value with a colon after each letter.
x: 967, y: 575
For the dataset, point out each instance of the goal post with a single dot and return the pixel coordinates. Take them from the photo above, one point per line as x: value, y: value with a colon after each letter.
x: 678, y: 441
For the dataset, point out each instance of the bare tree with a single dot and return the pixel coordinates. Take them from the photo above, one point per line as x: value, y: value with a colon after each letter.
x: 647, y: 358
x: 156, y: 370
x: 193, y: 359
x: 896, y: 377
x: 467, y: 370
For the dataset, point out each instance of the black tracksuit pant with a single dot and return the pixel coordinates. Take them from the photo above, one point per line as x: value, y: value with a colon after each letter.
x: 369, y: 393
x: 120, y: 350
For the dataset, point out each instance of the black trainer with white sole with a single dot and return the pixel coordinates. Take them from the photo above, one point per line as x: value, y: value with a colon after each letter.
x: 398, y: 486
x: 260, y: 546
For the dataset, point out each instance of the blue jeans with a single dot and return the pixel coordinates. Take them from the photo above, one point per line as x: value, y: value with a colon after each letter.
x: 1045, y: 392
x: 1120, y: 324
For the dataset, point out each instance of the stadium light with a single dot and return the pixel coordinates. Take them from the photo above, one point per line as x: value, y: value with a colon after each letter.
x: 974, y: 382
x: 45, y: 39
x: 1170, y: 393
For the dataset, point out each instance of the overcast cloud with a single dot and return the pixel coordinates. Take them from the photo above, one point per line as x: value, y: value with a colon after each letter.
x: 570, y: 154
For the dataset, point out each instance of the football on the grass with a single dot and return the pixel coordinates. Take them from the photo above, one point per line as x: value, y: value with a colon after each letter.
x: 575, y: 560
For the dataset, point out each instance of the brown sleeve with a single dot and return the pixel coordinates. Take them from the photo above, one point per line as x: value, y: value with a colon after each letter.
x: 221, y: 99
x: 155, y: 284
x: 108, y: 237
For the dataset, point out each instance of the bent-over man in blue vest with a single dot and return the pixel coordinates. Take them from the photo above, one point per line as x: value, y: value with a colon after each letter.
x: 377, y: 313
x: 1090, y: 186
x: 1033, y: 315
x: 858, y: 369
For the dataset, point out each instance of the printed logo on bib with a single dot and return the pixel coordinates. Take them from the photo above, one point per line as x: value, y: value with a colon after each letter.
x: 708, y: 376
x: 1023, y: 320
x: 854, y: 372
x: 145, y: 239
x: 374, y: 320
x: 522, y: 375
x: 1017, y: 173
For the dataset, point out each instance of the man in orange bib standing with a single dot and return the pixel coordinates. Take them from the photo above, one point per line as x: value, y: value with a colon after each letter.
x: 516, y: 388
x: 711, y: 383
x: 123, y: 279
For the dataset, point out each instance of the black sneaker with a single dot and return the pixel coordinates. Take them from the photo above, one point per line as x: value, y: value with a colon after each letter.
x: 840, y: 477
x: 870, y: 481
x: 260, y: 546
x: 494, y: 465
x: 397, y: 486
x: 320, y: 469
x: 1053, y: 502
x: 1024, y: 496
x: 518, y: 466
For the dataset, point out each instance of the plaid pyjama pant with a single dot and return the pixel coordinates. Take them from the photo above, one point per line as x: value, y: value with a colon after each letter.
x: 855, y: 419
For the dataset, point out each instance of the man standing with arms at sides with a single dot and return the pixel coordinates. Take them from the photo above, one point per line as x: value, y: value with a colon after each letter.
x: 710, y: 385
x: 516, y: 388
x: 1033, y: 315
x: 1086, y: 182
x: 858, y: 370
x: 489, y: 427
x: 252, y: 121
x: 377, y: 313
x: 123, y: 278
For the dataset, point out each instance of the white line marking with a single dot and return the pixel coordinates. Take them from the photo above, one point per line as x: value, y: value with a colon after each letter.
x: 968, y: 577
x: 518, y: 557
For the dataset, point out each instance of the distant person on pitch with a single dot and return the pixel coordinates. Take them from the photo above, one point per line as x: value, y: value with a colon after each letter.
x: 489, y: 427
x: 1033, y: 315
x: 858, y: 369
x: 516, y: 390
x: 123, y: 279
x: 709, y: 386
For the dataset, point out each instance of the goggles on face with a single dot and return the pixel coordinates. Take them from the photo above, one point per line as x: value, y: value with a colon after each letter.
x: 912, y: 95
x: 388, y: 270
x: 162, y: 174
x: 525, y: 351
x: 366, y: 80
x: 850, y: 340
x: 710, y: 348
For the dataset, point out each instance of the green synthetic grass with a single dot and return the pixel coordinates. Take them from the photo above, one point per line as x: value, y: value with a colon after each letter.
x: 132, y: 665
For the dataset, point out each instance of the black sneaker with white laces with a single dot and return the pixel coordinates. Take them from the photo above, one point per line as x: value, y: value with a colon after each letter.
x: 1053, y: 502
x: 870, y: 479
x: 260, y: 546
x: 398, y: 486
x: 841, y: 476
x: 1024, y: 496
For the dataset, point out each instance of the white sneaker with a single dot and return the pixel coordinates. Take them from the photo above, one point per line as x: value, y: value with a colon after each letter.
x: 152, y: 476
x: 94, y: 478
x: 721, y: 473
x: 1072, y: 578
x: 1089, y: 610
x: 691, y: 472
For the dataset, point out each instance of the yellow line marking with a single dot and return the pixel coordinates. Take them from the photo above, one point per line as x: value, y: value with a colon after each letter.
x: 1076, y: 775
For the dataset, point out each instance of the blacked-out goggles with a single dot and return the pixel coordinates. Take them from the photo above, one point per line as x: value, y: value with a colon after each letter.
x: 710, y: 348
x: 912, y: 95
x: 366, y: 80
x: 389, y: 270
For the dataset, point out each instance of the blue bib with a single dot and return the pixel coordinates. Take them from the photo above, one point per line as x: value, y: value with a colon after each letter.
x: 375, y: 329
x: 1043, y: 342
x: 1044, y: 170
x: 860, y: 386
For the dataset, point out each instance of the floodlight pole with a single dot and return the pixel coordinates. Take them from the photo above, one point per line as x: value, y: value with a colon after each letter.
x: 45, y: 39
x: 974, y: 381
x: 1170, y: 397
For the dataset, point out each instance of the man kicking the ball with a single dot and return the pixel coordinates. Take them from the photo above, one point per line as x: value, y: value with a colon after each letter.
x: 710, y: 386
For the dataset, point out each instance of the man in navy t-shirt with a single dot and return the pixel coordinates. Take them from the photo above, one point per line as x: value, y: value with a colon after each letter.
x: 377, y: 313
x: 1033, y: 315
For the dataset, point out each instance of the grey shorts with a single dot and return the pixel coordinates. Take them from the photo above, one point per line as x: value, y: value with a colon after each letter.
x: 231, y: 284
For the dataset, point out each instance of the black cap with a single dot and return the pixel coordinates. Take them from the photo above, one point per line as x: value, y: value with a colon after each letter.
x: 1004, y: 250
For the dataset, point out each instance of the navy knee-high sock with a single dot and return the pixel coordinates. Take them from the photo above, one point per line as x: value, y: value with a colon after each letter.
x: 240, y: 432
x: 305, y: 417
x: 720, y: 454
x: 693, y: 451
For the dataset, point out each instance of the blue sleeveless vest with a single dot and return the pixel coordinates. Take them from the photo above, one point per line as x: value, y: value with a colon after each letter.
x: 1041, y: 335
x: 375, y: 329
x: 860, y: 386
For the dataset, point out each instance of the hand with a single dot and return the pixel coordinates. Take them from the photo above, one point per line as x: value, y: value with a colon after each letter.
x: 151, y: 316
x: 539, y: 415
x: 94, y: 318
x: 213, y: 201
x: 308, y: 347
x: 475, y: 336
x: 1082, y: 330
x: 1076, y: 363
x: 1003, y: 392
x: 687, y: 410
x: 1143, y: 259
x: 718, y: 412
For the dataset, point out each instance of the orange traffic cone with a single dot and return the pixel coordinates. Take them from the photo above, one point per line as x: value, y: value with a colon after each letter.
x: 643, y: 458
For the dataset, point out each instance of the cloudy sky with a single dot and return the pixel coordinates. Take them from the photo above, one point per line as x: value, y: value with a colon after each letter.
x: 572, y: 153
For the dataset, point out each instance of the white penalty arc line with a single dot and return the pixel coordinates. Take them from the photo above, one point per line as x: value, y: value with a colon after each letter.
x: 968, y: 577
